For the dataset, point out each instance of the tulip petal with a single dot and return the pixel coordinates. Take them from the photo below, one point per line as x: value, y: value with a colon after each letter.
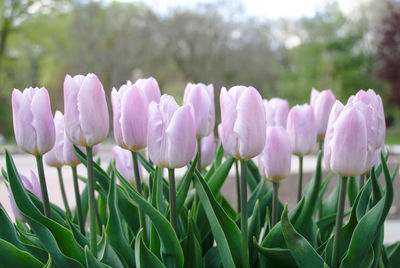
x: 181, y: 135
x: 350, y: 128
x: 93, y: 111
x: 250, y: 124
x: 43, y: 121
x: 25, y: 134
x: 156, y: 137
x: 71, y: 112
x: 134, y: 114
x: 116, y: 106
x: 228, y: 137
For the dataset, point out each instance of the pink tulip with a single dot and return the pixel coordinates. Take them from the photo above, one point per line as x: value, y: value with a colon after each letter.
x: 322, y: 103
x: 276, y: 112
x: 242, y: 121
x: 85, y: 110
x: 123, y: 162
x: 302, y: 129
x: 351, y: 139
x: 55, y: 157
x: 31, y: 184
x: 130, y: 109
x: 334, y: 114
x: 275, y: 160
x: 371, y: 98
x: 171, y: 133
x: 33, y: 120
x: 202, y: 99
x: 150, y: 88
x: 207, y: 150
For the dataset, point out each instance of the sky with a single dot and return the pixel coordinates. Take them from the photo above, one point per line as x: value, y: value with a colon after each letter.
x: 272, y: 9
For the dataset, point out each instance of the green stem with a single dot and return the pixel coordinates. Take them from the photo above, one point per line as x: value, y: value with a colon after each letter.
x: 81, y: 222
x: 142, y: 220
x: 321, y: 144
x: 43, y: 187
x: 275, y: 203
x: 362, y: 179
x: 196, y: 197
x: 300, y: 187
x: 172, y: 199
x: 63, y: 195
x: 243, y: 217
x: 237, y: 185
x: 92, y: 202
x: 339, y: 223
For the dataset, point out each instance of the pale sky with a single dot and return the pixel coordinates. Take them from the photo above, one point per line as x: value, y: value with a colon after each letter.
x: 271, y: 9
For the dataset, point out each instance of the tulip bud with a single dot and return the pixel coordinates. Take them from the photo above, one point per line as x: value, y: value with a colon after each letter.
x: 207, y: 150
x: 171, y: 133
x: 150, y: 88
x: 123, y: 162
x: 32, y: 185
x: 351, y: 139
x: 33, y: 120
x: 274, y: 162
x: 130, y: 113
x: 371, y: 98
x: 302, y: 129
x: 242, y: 121
x: 322, y: 103
x: 276, y: 112
x: 202, y: 99
x: 55, y: 157
x: 85, y: 107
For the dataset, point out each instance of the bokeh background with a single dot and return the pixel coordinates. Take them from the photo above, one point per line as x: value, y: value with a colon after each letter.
x: 283, y: 48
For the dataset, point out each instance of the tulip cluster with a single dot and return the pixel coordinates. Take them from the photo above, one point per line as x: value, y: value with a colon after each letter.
x: 173, y: 136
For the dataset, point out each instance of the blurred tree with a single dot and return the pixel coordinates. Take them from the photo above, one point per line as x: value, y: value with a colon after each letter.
x: 389, y: 52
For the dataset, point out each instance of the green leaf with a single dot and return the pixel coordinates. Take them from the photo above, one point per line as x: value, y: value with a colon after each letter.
x: 113, y: 228
x: 56, y: 239
x: 277, y: 257
x: 254, y: 230
x: 329, y: 206
x: 218, y: 178
x: 143, y: 256
x: 91, y: 261
x: 11, y: 256
x: 352, y: 189
x: 224, y: 229
x: 362, y: 205
x: 301, y: 250
x: 369, y: 224
x: 192, y: 248
x: 171, y: 248
x: 183, y: 187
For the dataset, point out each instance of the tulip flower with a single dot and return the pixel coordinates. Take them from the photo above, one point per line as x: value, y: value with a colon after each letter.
x: 150, y: 88
x: 86, y: 124
x: 302, y: 131
x: 123, y: 162
x: 322, y: 103
x: 371, y: 98
x: 33, y: 120
x: 34, y: 129
x: 85, y: 110
x: 55, y: 157
x: 242, y: 122
x: 276, y: 112
x: 30, y: 184
x: 171, y: 133
x: 207, y: 150
x: 243, y: 132
x: 130, y: 106
x: 350, y: 143
x: 171, y: 140
x: 274, y: 162
x: 202, y: 99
